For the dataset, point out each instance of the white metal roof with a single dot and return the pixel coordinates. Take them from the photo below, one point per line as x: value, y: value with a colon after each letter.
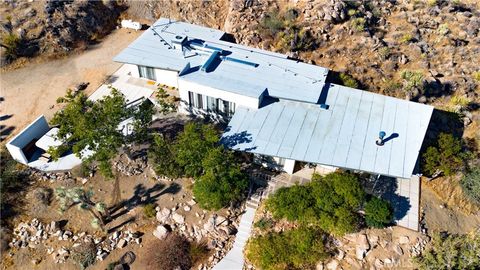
x: 238, y: 69
x: 343, y: 135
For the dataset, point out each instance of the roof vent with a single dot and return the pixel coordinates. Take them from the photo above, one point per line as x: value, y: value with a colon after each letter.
x: 381, y: 136
x: 178, y: 42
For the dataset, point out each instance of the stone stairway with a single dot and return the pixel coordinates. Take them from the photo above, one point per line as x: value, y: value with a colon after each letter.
x: 234, y: 259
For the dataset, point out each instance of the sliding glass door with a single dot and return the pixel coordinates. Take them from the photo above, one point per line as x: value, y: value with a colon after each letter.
x: 147, y: 73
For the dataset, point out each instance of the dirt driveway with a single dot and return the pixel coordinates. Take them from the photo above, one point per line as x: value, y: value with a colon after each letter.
x: 28, y: 92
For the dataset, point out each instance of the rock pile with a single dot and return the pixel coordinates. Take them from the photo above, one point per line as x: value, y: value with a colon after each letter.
x: 218, y: 231
x: 35, y: 233
x: 129, y: 167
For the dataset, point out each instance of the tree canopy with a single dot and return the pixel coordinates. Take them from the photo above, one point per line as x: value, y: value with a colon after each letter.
x: 192, y: 145
x: 445, y: 156
x: 87, y: 125
x: 222, y: 182
x: 330, y: 202
x: 196, y: 153
x: 378, y: 213
x: 299, y: 248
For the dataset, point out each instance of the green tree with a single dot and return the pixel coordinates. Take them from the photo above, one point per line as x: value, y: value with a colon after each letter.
x: 378, y: 213
x: 192, y: 145
x: 330, y: 202
x: 166, y: 103
x: 87, y: 125
x: 162, y: 156
x: 471, y: 184
x: 451, y: 252
x: 445, y: 157
x: 222, y: 182
x: 299, y: 248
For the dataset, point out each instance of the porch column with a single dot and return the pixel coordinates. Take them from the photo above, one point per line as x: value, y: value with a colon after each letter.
x: 289, y: 166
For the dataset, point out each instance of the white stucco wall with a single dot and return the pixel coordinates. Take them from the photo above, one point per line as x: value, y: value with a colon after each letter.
x: 289, y: 166
x: 132, y: 70
x: 35, y: 130
x: 167, y: 77
x: 239, y: 100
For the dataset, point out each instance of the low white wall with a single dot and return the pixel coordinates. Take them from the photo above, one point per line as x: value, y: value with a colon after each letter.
x: 273, y: 163
x: 35, y: 130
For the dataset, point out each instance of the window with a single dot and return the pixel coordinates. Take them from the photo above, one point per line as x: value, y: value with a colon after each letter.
x: 199, y: 103
x: 147, y: 72
x: 212, y: 104
x: 228, y: 108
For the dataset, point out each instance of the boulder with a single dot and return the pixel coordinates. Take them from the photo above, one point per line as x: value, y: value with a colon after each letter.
x: 163, y: 215
x: 402, y: 240
x: 332, y: 265
x: 362, y: 246
x: 178, y: 218
x: 161, y: 232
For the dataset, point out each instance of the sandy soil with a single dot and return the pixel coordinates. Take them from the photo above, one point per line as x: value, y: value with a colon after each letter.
x: 444, y: 216
x: 30, y: 91
x: 136, y: 190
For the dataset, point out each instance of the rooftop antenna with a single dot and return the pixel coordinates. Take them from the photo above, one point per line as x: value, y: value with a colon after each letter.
x: 381, y: 136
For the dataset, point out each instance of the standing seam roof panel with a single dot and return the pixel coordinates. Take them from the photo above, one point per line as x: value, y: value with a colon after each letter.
x: 355, y: 151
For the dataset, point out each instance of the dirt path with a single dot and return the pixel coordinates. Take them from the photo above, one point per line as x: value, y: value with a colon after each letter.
x: 30, y: 91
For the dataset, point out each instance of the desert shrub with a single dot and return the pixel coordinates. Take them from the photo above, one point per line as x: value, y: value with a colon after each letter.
x: 162, y: 156
x: 329, y: 202
x: 444, y: 157
x: 378, y: 213
x: 348, y: 80
x: 299, y: 248
x: 263, y: 224
x: 82, y: 170
x: 476, y: 76
x: 149, y: 210
x: 358, y: 24
x: 273, y: 22
x: 443, y: 29
x: 384, y: 53
x: 459, y: 101
x: 286, y: 32
x: 412, y: 79
x: 43, y: 195
x: 11, y: 43
x: 451, y: 252
x: 169, y: 254
x: 84, y: 255
x: 223, y: 181
x: 392, y: 87
x: 198, y: 252
x: 431, y: 3
x: 471, y: 184
x: 406, y: 38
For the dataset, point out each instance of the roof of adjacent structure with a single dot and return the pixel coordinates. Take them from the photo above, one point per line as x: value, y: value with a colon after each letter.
x: 343, y: 135
x: 236, y: 68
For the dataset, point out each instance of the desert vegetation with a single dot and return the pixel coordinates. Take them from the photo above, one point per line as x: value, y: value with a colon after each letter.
x: 196, y: 153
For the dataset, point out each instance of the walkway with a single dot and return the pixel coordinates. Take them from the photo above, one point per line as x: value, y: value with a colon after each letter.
x: 234, y: 259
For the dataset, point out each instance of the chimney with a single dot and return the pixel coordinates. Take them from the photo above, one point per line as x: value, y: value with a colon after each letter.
x: 381, y: 136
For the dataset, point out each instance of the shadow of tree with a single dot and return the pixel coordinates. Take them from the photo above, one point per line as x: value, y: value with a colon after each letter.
x: 141, y: 197
x: 385, y: 187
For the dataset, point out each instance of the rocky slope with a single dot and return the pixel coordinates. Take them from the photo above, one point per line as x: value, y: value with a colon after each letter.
x: 52, y: 28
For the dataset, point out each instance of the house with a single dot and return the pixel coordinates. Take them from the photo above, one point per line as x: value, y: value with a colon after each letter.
x: 282, y: 110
